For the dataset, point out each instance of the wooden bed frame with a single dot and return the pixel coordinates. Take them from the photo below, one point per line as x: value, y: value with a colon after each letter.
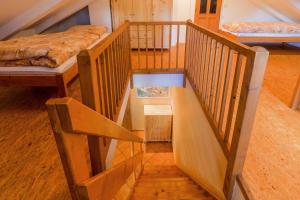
x: 260, y: 39
x: 59, y: 80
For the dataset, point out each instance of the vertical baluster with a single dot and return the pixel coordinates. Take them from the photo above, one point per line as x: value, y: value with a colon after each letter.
x: 225, y: 89
x: 139, y: 51
x: 124, y: 58
x: 122, y: 61
x: 195, y: 57
x: 193, y: 50
x: 233, y: 97
x: 219, y: 81
x: 214, y: 74
x: 119, y: 66
x: 154, y: 43
x: 209, y: 70
x: 170, y: 44
x: 115, y: 63
x: 177, y: 47
x: 187, y: 49
x: 99, y: 82
x: 198, y: 64
x: 111, y: 79
x: 162, y: 46
x: 146, y: 46
x: 108, y: 84
x: 104, y: 84
x: 203, y: 60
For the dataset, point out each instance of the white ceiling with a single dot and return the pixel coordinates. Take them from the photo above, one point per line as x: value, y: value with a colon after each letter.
x: 9, y: 9
x: 16, y: 15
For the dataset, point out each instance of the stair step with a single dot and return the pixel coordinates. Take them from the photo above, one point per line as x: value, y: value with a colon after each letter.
x: 167, y: 182
x: 171, y: 195
x: 176, y: 189
x: 162, y: 179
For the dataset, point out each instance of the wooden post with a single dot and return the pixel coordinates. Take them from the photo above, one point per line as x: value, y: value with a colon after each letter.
x: 74, y: 160
x: 90, y: 97
x: 253, y: 79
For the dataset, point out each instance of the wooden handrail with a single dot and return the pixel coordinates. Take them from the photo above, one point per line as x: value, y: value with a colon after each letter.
x: 244, y: 49
x: 78, y: 118
x: 158, y: 23
x: 105, y: 185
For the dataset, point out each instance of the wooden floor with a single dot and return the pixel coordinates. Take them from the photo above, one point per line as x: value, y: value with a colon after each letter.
x: 145, y: 59
x: 272, y: 164
x: 161, y: 179
x: 30, y: 167
x: 282, y: 72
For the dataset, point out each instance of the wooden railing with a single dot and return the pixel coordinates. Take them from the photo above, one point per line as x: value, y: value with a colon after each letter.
x: 226, y: 77
x: 157, y: 46
x: 72, y: 124
x: 104, y: 73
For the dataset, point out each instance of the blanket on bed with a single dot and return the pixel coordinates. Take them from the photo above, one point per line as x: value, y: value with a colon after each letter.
x: 262, y: 27
x: 49, y: 50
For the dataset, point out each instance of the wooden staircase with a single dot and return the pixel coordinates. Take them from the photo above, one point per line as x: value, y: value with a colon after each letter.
x: 166, y: 181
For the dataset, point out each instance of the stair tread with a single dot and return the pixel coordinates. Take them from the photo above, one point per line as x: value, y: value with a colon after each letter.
x: 167, y: 182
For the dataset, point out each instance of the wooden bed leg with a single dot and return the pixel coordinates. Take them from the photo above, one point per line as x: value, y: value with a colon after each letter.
x: 62, y: 89
x: 296, y: 96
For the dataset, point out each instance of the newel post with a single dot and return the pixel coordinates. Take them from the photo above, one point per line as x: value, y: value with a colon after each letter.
x: 87, y: 68
x: 186, y: 51
x: 254, y: 76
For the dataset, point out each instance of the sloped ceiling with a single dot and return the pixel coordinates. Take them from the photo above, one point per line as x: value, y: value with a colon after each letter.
x: 16, y: 15
x: 9, y: 9
x: 285, y: 10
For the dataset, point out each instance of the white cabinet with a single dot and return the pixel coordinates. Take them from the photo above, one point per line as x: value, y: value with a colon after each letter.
x: 144, y: 10
x: 158, y: 123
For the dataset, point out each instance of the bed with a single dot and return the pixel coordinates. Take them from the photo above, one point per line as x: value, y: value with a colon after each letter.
x: 262, y: 32
x: 48, y: 60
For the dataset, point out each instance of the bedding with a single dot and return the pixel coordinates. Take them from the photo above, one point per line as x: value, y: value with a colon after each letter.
x: 23, y: 70
x: 263, y: 27
x: 50, y: 50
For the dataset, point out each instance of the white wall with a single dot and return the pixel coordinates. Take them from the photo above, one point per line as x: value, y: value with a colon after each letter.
x: 196, y: 149
x: 182, y: 11
x: 100, y: 13
x: 243, y: 11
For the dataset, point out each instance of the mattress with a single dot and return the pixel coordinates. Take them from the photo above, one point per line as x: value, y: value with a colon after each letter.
x: 263, y: 27
x: 50, y: 50
x: 46, y: 70
x: 262, y: 34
